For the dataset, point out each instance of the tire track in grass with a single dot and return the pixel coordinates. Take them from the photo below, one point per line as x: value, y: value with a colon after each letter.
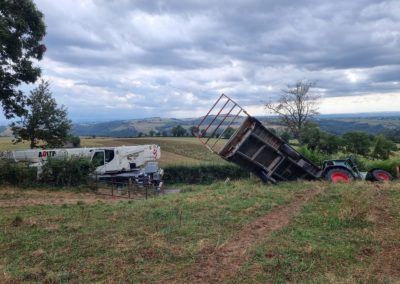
x: 223, y: 262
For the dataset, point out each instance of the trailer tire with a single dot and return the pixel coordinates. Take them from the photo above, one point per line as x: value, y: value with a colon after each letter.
x: 379, y: 175
x: 338, y: 175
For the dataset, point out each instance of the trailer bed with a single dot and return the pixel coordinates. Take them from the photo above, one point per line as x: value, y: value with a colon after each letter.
x: 252, y: 146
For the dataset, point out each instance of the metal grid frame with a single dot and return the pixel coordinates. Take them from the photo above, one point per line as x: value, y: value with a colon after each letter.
x: 224, y: 108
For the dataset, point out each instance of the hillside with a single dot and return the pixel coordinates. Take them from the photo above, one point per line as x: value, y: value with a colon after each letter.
x: 336, y: 124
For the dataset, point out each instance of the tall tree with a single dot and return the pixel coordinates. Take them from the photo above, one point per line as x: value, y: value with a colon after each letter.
x: 357, y: 142
x: 383, y: 148
x: 178, y: 131
x: 229, y: 132
x: 44, y: 121
x: 21, y: 32
x: 295, y: 107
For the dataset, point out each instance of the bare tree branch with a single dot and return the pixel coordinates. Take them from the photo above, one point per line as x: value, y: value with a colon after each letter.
x: 296, y: 106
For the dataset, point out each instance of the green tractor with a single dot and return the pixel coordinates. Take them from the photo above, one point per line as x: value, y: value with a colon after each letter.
x: 347, y: 170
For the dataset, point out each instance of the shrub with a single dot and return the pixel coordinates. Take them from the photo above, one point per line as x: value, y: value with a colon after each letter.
x: 314, y: 156
x: 383, y: 148
x: 17, y: 174
x: 66, y: 172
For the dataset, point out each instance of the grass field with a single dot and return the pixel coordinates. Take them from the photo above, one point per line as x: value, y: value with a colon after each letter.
x: 345, y: 233
x: 186, y: 150
x: 181, y: 151
x: 348, y: 233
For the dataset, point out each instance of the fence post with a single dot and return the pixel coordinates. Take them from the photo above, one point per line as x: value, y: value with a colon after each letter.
x: 96, y: 184
x: 398, y: 171
x: 129, y: 187
x: 146, y: 191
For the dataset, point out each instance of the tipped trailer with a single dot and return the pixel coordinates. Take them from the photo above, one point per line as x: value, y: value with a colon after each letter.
x: 254, y: 147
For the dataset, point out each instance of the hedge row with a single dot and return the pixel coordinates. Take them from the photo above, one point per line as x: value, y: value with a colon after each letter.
x: 56, y: 172
x: 203, y: 174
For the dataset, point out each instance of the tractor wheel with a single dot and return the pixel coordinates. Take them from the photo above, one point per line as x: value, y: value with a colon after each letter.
x: 338, y: 175
x: 380, y: 175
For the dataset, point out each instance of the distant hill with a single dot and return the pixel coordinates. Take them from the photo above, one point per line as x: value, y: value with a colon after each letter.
x: 336, y: 124
x: 130, y: 128
x: 372, y: 125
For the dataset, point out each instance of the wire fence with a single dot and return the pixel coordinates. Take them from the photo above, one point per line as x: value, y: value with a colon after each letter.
x: 126, y: 189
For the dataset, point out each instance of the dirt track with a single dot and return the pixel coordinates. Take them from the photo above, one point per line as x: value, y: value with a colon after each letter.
x: 223, y: 262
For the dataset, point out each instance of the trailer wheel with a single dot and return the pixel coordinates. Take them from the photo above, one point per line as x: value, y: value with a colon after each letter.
x: 338, y: 175
x: 380, y: 175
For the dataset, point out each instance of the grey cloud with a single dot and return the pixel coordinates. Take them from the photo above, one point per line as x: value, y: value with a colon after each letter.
x: 251, y: 49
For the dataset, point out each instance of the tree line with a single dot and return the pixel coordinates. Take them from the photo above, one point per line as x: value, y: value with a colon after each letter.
x: 355, y: 142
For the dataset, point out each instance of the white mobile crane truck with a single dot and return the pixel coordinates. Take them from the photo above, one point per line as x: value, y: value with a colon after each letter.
x: 138, y: 163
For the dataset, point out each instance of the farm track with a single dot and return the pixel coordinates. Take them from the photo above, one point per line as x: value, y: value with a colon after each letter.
x: 221, y: 264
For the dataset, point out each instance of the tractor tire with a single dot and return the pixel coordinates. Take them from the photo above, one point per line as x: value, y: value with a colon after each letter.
x: 338, y: 175
x: 379, y: 175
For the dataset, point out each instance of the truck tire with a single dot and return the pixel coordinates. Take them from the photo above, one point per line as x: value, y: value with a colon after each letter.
x: 338, y: 175
x: 379, y: 175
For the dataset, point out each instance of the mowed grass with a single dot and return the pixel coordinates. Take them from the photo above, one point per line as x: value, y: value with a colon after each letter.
x: 347, y: 234
x: 350, y: 234
x: 6, y: 143
x: 139, y: 241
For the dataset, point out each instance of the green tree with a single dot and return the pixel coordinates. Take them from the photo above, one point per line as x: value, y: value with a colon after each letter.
x: 21, y: 31
x: 329, y: 143
x: 44, y: 121
x: 272, y: 130
x: 383, y: 148
x: 310, y: 136
x: 229, y: 132
x: 317, y: 140
x: 357, y: 142
x: 178, y: 131
x: 151, y: 133
x: 193, y: 130
x: 285, y: 136
x: 75, y: 140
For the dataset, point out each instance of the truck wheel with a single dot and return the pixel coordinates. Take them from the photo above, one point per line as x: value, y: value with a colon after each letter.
x: 338, y: 175
x: 380, y: 175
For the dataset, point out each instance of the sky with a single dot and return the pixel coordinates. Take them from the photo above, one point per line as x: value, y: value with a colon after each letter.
x: 111, y: 60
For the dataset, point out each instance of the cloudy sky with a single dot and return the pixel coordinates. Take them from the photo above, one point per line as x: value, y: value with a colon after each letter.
x: 109, y: 59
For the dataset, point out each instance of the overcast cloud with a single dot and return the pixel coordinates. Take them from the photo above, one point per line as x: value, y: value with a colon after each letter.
x: 129, y: 59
